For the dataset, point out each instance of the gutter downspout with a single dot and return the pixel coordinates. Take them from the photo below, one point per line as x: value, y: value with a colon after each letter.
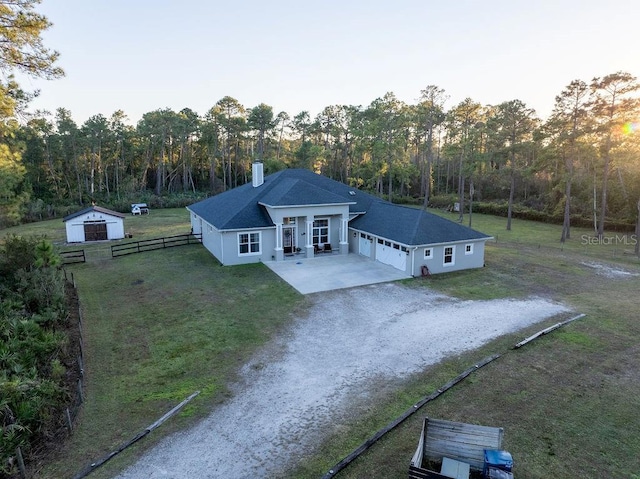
x: 222, y: 248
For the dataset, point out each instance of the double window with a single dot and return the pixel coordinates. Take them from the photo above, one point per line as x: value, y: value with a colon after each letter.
x: 248, y: 243
x: 449, y: 255
x: 321, y: 231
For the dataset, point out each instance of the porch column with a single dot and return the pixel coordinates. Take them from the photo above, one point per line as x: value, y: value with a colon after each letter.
x: 344, y: 235
x: 309, y: 235
x: 279, y: 256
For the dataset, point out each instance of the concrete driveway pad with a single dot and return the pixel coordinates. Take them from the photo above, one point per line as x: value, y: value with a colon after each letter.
x: 333, y: 271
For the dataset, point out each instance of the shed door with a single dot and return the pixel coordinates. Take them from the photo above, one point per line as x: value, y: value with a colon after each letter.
x: 95, y: 231
x: 388, y: 255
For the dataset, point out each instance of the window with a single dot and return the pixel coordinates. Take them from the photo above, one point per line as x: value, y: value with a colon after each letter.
x: 321, y: 231
x: 289, y: 220
x: 449, y: 252
x: 428, y: 253
x: 248, y: 243
x: 468, y: 249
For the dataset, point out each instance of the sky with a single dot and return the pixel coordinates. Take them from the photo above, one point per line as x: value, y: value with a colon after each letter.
x: 143, y: 55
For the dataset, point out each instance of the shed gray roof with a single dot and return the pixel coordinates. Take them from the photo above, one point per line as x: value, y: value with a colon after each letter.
x: 97, y: 209
x: 242, y: 208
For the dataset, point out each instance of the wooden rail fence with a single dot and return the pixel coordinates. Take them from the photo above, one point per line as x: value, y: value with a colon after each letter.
x: 153, y: 244
x: 75, y: 256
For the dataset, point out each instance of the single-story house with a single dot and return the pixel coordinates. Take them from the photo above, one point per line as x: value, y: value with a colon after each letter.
x: 94, y: 224
x: 296, y: 212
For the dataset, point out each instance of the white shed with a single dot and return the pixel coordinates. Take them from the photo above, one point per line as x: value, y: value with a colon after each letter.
x: 94, y: 224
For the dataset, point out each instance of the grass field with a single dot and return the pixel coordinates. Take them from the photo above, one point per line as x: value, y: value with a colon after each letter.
x: 163, y: 324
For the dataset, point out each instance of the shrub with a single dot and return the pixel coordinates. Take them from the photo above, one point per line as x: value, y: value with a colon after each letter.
x: 443, y: 201
x: 32, y: 306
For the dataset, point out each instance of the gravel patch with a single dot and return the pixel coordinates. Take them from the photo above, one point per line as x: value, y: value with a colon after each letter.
x: 609, y: 272
x: 303, y: 385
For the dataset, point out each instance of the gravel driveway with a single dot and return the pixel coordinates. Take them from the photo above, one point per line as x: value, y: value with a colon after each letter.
x: 303, y: 385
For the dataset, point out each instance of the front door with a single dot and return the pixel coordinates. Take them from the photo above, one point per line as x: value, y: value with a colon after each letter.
x: 289, y: 240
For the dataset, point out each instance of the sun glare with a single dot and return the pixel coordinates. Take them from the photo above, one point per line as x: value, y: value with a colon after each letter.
x: 630, y: 127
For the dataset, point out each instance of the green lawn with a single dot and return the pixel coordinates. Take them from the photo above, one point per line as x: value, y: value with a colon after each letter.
x: 160, y: 325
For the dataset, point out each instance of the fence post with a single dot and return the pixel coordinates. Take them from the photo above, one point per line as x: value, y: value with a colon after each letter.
x: 69, y: 423
x: 80, y: 394
x: 23, y: 470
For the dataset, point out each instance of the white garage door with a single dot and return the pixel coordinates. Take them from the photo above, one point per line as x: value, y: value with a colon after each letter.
x: 387, y: 254
x: 365, y: 246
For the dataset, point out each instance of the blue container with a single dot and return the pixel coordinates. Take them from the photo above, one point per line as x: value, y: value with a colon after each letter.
x: 498, y: 459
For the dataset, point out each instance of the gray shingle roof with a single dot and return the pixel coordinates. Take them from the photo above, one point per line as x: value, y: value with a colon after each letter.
x: 412, y: 226
x: 89, y: 210
x: 294, y: 191
x: 241, y: 208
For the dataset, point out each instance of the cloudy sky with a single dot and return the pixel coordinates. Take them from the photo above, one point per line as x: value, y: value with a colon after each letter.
x: 143, y: 55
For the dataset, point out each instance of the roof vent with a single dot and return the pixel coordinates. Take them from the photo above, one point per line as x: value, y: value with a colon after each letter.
x: 352, y: 193
x: 257, y: 174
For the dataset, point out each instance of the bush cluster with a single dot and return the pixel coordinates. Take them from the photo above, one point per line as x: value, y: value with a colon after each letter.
x: 38, y: 210
x: 32, y: 314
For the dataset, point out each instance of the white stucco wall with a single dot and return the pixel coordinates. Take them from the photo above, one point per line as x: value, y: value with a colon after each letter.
x: 462, y: 260
x: 415, y: 255
x: 223, y: 245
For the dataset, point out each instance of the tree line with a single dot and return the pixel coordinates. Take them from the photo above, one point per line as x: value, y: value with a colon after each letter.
x: 583, y: 161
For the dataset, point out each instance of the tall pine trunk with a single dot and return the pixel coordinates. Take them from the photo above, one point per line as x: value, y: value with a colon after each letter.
x: 603, y: 199
x: 566, y: 223
x: 511, y: 193
x: 427, y: 173
x: 566, y: 234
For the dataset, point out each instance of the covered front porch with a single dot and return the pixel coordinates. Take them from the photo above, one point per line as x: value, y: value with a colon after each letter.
x: 311, y: 235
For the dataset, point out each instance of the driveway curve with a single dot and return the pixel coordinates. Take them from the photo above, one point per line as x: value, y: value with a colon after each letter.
x: 303, y: 385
